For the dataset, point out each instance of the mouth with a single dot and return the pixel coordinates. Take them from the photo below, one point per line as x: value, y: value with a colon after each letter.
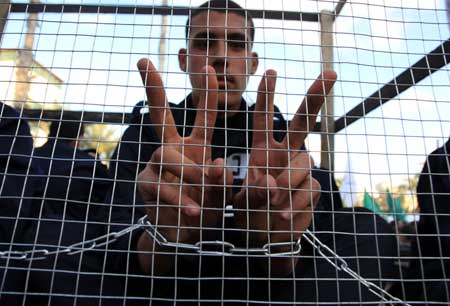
x: 224, y: 81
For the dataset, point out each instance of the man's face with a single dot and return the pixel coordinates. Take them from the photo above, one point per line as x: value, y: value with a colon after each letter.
x: 224, y: 42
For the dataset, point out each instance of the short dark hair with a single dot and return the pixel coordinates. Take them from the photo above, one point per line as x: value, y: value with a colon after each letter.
x: 69, y: 127
x: 222, y: 6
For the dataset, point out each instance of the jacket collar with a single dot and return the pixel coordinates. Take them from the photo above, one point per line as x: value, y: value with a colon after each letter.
x: 238, y: 119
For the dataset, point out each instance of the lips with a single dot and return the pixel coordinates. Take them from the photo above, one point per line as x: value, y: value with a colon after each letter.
x: 224, y: 81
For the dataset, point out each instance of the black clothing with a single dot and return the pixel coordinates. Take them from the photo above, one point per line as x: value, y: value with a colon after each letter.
x: 111, y: 275
x: 74, y: 211
x: 69, y: 209
x: 356, y: 235
x: 330, y: 198
x: 20, y: 198
x: 19, y: 181
x: 76, y: 183
x: 428, y: 276
x: 233, y: 279
x: 433, y: 195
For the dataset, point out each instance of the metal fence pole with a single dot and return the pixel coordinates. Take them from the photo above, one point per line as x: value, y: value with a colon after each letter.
x: 4, y: 11
x: 327, y: 116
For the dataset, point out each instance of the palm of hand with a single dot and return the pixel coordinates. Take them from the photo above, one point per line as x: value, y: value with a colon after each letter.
x: 182, y: 186
x: 276, y: 200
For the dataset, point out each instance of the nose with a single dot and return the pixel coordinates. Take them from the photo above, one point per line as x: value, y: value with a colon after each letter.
x: 218, y: 56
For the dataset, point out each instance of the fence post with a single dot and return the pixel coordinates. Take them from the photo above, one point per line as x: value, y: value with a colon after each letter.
x: 327, y: 112
x: 4, y: 11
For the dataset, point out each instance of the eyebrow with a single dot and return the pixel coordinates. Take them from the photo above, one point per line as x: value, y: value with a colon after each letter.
x: 238, y: 37
x: 205, y: 34
x: 213, y: 36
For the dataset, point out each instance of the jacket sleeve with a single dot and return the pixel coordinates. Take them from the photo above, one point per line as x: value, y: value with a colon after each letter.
x: 124, y: 205
x: 20, y: 182
x: 433, y: 195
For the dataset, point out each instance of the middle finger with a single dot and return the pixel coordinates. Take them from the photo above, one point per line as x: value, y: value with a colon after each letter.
x: 263, y: 113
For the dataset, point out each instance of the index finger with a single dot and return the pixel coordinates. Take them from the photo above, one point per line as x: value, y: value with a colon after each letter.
x: 160, y: 113
x: 206, y: 116
x: 305, y: 118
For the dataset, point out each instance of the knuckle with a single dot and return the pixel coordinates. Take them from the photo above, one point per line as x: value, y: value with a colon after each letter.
x: 316, y: 187
x: 157, y: 155
x: 311, y: 161
x: 306, y: 160
x: 147, y: 183
x: 173, y: 198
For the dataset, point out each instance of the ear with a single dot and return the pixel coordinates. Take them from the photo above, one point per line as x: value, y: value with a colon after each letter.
x: 254, y: 63
x: 182, y: 59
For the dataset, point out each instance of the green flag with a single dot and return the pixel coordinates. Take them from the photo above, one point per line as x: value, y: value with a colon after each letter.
x: 372, y: 205
x: 395, y: 207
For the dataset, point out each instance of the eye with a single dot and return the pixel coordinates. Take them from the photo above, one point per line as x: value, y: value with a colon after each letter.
x: 237, y: 41
x: 237, y: 44
x: 200, y: 43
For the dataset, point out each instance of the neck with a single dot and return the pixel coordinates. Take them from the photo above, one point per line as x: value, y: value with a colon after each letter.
x: 224, y: 112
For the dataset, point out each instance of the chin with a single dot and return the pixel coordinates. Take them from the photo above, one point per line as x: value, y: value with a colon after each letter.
x: 228, y: 103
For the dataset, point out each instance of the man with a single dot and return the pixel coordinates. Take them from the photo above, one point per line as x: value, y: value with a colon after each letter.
x: 20, y: 194
x: 71, y: 210
x: 432, y: 246
x: 19, y: 181
x: 430, y: 265
x: 433, y: 195
x: 186, y: 164
x: 76, y: 181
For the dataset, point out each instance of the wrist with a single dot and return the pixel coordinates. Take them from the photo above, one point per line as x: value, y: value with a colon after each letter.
x: 152, y: 257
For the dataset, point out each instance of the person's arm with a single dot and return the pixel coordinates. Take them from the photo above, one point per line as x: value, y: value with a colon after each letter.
x: 20, y: 177
x: 135, y: 146
x: 150, y: 253
x: 276, y: 200
x: 182, y: 187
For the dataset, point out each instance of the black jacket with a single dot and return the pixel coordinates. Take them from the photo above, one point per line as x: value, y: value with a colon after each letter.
x: 74, y: 178
x: 216, y: 273
x: 133, y: 152
x: 433, y: 195
x: 20, y: 184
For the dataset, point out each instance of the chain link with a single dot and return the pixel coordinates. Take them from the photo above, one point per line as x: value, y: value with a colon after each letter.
x: 221, y: 248
x: 76, y: 248
x: 342, y: 265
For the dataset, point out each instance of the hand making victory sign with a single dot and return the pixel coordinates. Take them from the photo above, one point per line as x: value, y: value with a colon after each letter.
x: 182, y: 186
x: 278, y: 194
x: 185, y: 190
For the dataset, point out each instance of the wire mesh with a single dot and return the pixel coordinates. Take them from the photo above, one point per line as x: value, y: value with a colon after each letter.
x: 231, y: 194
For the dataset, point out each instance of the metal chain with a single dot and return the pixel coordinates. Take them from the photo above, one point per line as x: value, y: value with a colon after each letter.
x: 76, y: 248
x: 222, y: 248
x: 341, y: 265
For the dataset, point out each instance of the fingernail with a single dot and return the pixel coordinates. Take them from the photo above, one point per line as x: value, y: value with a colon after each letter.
x: 274, y: 197
x: 192, y: 210
x: 210, y: 69
x: 286, y: 214
x: 271, y: 73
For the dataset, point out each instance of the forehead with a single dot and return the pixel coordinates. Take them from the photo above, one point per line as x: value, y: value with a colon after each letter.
x: 219, y: 23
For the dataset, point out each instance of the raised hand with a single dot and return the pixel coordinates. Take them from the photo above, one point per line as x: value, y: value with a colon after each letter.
x: 276, y: 200
x: 184, y: 189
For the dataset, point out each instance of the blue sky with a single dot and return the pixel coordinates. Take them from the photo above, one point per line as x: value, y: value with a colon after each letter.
x: 374, y: 41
